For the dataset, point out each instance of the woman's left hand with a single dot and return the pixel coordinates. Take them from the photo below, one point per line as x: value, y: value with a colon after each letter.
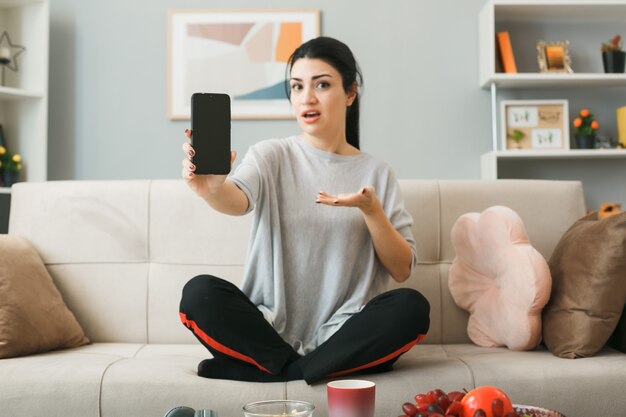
x: 364, y: 199
x: 391, y: 247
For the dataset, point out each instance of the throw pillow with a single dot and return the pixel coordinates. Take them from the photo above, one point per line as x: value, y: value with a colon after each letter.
x: 499, y: 278
x: 589, y: 286
x: 33, y: 316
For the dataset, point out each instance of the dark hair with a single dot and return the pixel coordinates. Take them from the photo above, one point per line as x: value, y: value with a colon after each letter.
x: 337, y: 54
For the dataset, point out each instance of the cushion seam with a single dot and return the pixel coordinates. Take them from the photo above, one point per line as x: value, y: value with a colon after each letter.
x: 148, y: 303
x: 102, y: 384
x: 149, y: 209
x: 434, y: 262
x: 149, y: 255
x: 139, y: 350
x: 469, y: 370
x: 439, y: 240
x: 440, y: 304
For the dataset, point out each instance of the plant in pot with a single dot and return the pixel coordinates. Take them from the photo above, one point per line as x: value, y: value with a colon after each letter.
x: 586, y: 127
x: 517, y: 136
x: 613, y: 57
x: 10, y: 167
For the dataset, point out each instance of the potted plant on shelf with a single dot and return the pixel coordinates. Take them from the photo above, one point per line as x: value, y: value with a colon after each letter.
x: 517, y: 136
x: 613, y: 57
x: 586, y: 127
x: 10, y: 167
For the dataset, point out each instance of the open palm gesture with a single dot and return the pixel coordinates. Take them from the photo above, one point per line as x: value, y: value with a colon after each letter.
x: 364, y: 199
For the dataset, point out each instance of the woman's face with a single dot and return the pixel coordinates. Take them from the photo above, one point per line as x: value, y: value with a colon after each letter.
x: 318, y: 98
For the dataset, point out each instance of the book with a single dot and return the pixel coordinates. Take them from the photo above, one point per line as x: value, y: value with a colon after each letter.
x: 506, y: 53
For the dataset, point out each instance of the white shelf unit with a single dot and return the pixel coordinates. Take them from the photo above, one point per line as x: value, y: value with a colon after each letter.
x: 24, y: 97
x: 554, y: 80
x: 535, y: 13
x: 9, y: 93
x: 490, y: 159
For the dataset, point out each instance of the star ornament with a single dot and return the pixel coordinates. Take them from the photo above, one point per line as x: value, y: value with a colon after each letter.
x: 9, y: 52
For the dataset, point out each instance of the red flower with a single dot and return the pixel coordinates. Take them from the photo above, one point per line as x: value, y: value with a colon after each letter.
x: 615, y: 40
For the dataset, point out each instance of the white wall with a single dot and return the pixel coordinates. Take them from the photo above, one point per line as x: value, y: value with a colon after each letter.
x: 422, y: 110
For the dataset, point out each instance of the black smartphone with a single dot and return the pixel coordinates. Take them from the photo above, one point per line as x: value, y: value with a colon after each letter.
x: 210, y: 133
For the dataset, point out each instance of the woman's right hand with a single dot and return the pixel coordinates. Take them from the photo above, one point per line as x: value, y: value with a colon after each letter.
x: 202, y: 185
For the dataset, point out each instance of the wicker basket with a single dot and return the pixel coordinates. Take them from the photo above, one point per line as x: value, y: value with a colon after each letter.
x: 536, y: 411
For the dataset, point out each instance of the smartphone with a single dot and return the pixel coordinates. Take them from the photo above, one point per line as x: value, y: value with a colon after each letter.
x: 210, y: 133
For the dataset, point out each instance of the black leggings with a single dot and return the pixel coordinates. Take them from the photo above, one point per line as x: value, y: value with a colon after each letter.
x: 234, y: 330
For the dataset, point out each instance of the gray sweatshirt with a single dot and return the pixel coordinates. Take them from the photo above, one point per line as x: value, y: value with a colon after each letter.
x: 310, y: 267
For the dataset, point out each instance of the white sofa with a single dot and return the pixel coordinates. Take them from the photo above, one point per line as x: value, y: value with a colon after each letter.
x: 120, y: 252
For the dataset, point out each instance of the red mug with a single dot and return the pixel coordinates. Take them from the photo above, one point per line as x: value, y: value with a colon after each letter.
x: 351, y: 398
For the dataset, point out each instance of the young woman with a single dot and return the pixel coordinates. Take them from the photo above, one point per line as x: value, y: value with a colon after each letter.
x: 329, y: 230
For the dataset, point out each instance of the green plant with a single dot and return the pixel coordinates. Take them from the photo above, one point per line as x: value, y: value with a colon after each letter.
x: 613, y: 45
x: 10, y: 162
x: 517, y: 135
x: 586, y: 124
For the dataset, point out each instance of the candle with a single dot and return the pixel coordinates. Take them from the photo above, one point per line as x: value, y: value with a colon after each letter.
x: 5, y: 53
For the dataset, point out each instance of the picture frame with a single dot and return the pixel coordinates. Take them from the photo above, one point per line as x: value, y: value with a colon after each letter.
x: 554, y: 56
x: 538, y: 125
x: 239, y: 52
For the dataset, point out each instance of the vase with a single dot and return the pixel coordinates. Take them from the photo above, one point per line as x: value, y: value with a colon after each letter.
x: 585, y: 141
x: 9, y: 178
x: 614, y: 61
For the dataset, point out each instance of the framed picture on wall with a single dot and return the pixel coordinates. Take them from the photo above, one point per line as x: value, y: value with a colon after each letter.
x: 534, y: 124
x: 240, y: 52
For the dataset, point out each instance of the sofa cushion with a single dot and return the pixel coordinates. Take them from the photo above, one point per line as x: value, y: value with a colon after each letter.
x: 160, y: 377
x: 499, y: 278
x: 60, y: 383
x: 589, y: 286
x: 99, y: 221
x: 530, y: 377
x: 421, y: 369
x: 539, y: 378
x: 33, y: 316
x: 545, y: 227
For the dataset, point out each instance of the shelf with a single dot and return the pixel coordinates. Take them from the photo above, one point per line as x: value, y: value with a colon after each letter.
x: 489, y: 160
x: 5, y: 190
x: 24, y: 95
x: 10, y: 93
x: 555, y: 80
x: 561, y: 154
x: 585, y: 23
x: 16, y: 3
x: 566, y: 10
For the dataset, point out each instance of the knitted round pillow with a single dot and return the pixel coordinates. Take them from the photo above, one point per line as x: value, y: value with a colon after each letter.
x: 499, y: 278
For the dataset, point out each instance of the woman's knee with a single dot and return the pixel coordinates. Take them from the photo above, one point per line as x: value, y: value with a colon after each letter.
x: 200, y: 282
x: 200, y: 291
x: 413, y: 306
